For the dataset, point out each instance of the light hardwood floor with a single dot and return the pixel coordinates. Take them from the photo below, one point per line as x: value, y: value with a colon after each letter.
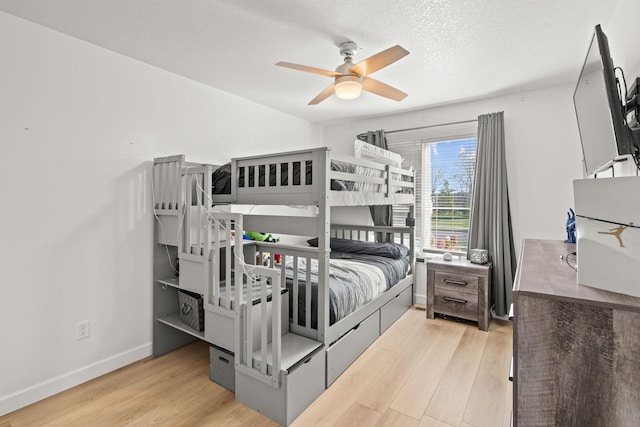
x: 419, y: 373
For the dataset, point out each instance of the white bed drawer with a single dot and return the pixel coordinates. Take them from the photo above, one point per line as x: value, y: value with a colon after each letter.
x: 347, y: 349
x: 391, y: 311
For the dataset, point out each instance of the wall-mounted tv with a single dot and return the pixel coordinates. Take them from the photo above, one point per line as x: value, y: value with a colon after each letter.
x: 599, y: 110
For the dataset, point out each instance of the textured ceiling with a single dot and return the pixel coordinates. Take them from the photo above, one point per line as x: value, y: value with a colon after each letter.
x: 459, y: 49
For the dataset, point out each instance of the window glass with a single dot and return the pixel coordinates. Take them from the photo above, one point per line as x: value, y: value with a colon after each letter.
x: 444, y: 180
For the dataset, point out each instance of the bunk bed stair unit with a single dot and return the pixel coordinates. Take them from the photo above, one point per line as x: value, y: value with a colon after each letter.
x: 276, y: 309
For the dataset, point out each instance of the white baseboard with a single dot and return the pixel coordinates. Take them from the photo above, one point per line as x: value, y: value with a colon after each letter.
x: 34, y: 393
x: 419, y: 299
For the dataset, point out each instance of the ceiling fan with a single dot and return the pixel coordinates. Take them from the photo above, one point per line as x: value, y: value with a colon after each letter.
x: 351, y: 79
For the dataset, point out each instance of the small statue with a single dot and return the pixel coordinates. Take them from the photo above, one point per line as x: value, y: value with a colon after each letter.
x: 571, y: 227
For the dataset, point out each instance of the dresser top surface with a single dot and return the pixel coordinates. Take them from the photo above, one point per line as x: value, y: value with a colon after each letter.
x: 544, y: 271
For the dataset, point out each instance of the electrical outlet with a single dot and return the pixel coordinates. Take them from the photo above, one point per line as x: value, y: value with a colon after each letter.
x: 83, y: 329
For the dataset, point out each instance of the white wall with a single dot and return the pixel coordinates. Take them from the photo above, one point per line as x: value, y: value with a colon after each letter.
x: 79, y: 127
x: 622, y: 32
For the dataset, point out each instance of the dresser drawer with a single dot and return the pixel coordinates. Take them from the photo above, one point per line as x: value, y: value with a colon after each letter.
x: 454, y: 303
x: 456, y: 282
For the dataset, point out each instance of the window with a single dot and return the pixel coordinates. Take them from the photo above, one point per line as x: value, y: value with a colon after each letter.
x: 444, y: 179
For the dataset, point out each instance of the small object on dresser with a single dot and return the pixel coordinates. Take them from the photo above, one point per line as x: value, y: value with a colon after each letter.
x: 570, y: 226
x: 191, y: 310
x: 447, y: 256
x: 479, y: 256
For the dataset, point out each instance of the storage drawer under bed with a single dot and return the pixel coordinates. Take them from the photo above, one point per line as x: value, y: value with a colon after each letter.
x: 347, y: 349
x: 391, y: 311
x: 222, y: 368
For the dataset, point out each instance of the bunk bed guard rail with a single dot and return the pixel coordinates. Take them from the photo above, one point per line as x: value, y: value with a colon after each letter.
x: 263, y: 282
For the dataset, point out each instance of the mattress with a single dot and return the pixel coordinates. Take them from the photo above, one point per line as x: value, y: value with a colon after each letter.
x: 354, y: 280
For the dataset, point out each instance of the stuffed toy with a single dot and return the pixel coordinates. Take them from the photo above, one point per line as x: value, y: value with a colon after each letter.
x: 261, y: 237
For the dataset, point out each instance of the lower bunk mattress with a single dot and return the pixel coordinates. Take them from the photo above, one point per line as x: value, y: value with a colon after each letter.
x: 358, y: 273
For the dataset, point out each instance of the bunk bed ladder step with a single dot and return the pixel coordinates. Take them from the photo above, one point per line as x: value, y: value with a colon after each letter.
x: 278, y: 373
x: 300, y: 380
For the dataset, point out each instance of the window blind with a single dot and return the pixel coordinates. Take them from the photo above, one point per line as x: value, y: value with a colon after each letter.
x: 444, y: 178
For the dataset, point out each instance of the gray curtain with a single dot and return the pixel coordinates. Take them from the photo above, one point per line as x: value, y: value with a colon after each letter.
x: 381, y: 215
x: 490, y: 226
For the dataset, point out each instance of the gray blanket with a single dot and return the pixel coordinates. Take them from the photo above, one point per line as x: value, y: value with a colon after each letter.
x: 354, y: 280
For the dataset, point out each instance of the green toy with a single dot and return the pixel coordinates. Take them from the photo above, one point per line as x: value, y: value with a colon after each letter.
x: 261, y: 237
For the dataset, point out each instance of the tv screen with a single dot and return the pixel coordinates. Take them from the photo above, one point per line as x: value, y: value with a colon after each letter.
x: 603, y: 132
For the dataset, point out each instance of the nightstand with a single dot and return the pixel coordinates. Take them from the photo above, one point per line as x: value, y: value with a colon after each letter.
x: 459, y: 288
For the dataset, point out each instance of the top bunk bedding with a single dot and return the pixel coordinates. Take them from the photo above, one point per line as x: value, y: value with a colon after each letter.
x: 300, y: 177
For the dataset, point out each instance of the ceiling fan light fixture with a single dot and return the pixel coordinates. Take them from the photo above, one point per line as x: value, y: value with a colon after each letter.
x: 348, y: 86
x: 350, y: 80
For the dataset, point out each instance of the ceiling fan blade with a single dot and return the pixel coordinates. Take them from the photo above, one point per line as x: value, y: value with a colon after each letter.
x: 382, y: 89
x: 308, y: 69
x: 379, y: 60
x: 323, y: 95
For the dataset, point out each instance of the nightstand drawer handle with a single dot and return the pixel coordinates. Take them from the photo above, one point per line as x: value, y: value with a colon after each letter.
x: 461, y: 301
x: 455, y: 282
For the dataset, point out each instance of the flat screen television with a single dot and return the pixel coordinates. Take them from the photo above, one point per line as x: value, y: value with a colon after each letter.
x: 599, y: 110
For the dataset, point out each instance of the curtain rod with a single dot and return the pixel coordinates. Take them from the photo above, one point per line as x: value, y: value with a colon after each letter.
x: 422, y: 127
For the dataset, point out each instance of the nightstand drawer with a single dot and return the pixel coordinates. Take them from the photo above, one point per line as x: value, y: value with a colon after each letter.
x: 456, y: 282
x: 458, y: 304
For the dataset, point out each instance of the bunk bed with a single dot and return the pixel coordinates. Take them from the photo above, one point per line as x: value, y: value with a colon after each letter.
x: 290, y: 314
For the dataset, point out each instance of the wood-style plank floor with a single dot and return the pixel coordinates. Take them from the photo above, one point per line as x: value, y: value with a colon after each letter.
x: 419, y: 373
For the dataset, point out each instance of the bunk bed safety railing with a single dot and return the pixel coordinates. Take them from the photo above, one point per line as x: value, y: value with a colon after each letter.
x: 368, y: 176
x: 404, y: 235
x: 296, y: 268
x: 197, y: 232
x: 262, y: 288
x: 299, y: 261
x: 194, y: 245
x: 228, y: 257
x: 301, y: 177
x: 167, y: 183
x: 291, y: 177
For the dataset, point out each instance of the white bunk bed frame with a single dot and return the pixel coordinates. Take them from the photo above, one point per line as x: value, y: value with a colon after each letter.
x: 248, y: 317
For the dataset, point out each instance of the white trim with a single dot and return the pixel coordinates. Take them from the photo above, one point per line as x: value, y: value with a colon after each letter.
x: 21, y: 398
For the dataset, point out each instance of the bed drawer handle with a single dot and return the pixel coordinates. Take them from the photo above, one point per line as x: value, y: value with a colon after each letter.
x: 461, y: 301
x: 455, y: 282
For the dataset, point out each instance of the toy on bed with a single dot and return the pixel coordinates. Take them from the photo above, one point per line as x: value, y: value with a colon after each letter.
x: 260, y: 237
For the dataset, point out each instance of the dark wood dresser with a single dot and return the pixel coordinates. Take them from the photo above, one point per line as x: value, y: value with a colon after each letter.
x: 459, y: 288
x: 576, y: 349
